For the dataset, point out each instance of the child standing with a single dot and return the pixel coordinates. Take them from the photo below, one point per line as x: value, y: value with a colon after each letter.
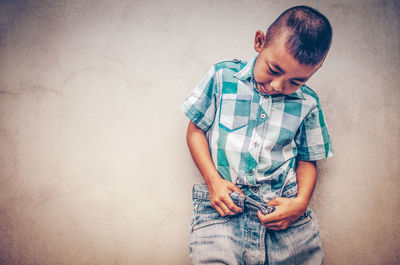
x: 255, y: 132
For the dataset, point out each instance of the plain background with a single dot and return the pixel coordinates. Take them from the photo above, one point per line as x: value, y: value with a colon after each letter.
x: 94, y: 164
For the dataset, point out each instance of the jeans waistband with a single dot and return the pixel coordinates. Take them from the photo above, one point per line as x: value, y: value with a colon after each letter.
x: 200, y: 191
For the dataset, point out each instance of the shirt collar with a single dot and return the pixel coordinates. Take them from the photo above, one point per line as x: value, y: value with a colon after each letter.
x: 247, y: 74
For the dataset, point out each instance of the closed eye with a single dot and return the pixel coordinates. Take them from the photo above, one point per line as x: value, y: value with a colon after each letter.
x: 272, y: 71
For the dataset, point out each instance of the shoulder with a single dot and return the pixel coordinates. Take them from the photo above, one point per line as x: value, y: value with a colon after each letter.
x: 234, y: 65
x: 310, y: 95
x: 308, y: 91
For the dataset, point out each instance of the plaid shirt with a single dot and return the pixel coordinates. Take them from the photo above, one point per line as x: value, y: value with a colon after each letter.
x: 255, y: 139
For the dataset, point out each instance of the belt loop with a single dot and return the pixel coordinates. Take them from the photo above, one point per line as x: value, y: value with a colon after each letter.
x: 241, y: 200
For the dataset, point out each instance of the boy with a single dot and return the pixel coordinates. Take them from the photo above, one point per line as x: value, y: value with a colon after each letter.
x: 255, y: 132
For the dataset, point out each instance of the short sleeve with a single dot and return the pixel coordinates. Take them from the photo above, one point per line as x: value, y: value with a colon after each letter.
x: 312, y: 139
x: 200, y: 106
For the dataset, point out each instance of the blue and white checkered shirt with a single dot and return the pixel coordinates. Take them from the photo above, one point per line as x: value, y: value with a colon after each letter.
x: 255, y: 139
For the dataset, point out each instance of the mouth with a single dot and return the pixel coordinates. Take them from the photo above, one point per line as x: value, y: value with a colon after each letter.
x: 265, y: 89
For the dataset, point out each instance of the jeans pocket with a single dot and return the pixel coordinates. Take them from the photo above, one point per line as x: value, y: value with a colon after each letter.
x: 234, y: 111
x: 303, y: 219
x: 205, y: 215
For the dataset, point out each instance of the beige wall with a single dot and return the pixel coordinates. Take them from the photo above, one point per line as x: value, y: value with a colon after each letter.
x: 94, y: 167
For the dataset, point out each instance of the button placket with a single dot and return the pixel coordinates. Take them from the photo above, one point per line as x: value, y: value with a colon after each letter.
x: 266, y: 104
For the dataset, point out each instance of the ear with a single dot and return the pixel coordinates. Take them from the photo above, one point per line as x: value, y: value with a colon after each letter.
x: 259, y: 41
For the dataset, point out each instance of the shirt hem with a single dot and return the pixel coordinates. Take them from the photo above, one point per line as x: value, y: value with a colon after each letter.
x: 315, y: 157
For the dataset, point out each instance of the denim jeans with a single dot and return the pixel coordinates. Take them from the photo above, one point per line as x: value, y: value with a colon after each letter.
x: 242, y: 239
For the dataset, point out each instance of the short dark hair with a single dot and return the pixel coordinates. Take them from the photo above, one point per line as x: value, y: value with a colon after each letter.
x: 309, y: 33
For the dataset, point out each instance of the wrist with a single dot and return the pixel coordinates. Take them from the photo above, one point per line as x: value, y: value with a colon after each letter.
x: 213, y: 181
x: 302, y: 202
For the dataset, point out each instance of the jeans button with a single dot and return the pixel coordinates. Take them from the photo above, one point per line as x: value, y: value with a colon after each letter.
x: 254, y: 189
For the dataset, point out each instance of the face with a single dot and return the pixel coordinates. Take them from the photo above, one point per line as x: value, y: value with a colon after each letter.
x: 276, y: 71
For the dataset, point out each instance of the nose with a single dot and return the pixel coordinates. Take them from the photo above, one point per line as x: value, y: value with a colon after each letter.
x: 277, y: 84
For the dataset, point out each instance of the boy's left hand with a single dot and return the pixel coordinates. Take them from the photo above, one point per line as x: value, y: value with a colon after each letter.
x: 288, y: 210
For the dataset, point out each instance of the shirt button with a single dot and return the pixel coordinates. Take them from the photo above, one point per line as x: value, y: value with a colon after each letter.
x: 262, y: 115
x: 255, y: 144
x: 251, y: 172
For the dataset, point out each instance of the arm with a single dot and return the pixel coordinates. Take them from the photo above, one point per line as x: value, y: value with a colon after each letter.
x: 218, y: 187
x: 288, y: 210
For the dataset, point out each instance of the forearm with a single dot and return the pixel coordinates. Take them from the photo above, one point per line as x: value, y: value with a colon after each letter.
x: 219, y: 188
x: 306, y: 174
x: 200, y: 152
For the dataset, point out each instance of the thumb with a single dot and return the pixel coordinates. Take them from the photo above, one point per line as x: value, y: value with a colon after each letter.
x: 274, y: 202
x: 238, y: 190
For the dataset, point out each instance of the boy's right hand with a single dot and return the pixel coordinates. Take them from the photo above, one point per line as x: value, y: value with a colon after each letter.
x: 220, y: 199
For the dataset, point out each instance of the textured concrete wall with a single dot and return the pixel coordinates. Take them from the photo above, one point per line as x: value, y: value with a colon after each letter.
x: 94, y: 167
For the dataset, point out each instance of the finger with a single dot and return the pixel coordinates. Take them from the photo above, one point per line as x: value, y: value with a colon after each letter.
x: 219, y: 210
x: 271, y: 225
x: 267, y: 218
x: 274, y: 224
x: 277, y: 226
x: 232, y: 206
x: 225, y: 208
x: 274, y: 227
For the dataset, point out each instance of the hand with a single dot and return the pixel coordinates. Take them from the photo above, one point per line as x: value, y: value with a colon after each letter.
x: 288, y: 210
x: 220, y: 199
